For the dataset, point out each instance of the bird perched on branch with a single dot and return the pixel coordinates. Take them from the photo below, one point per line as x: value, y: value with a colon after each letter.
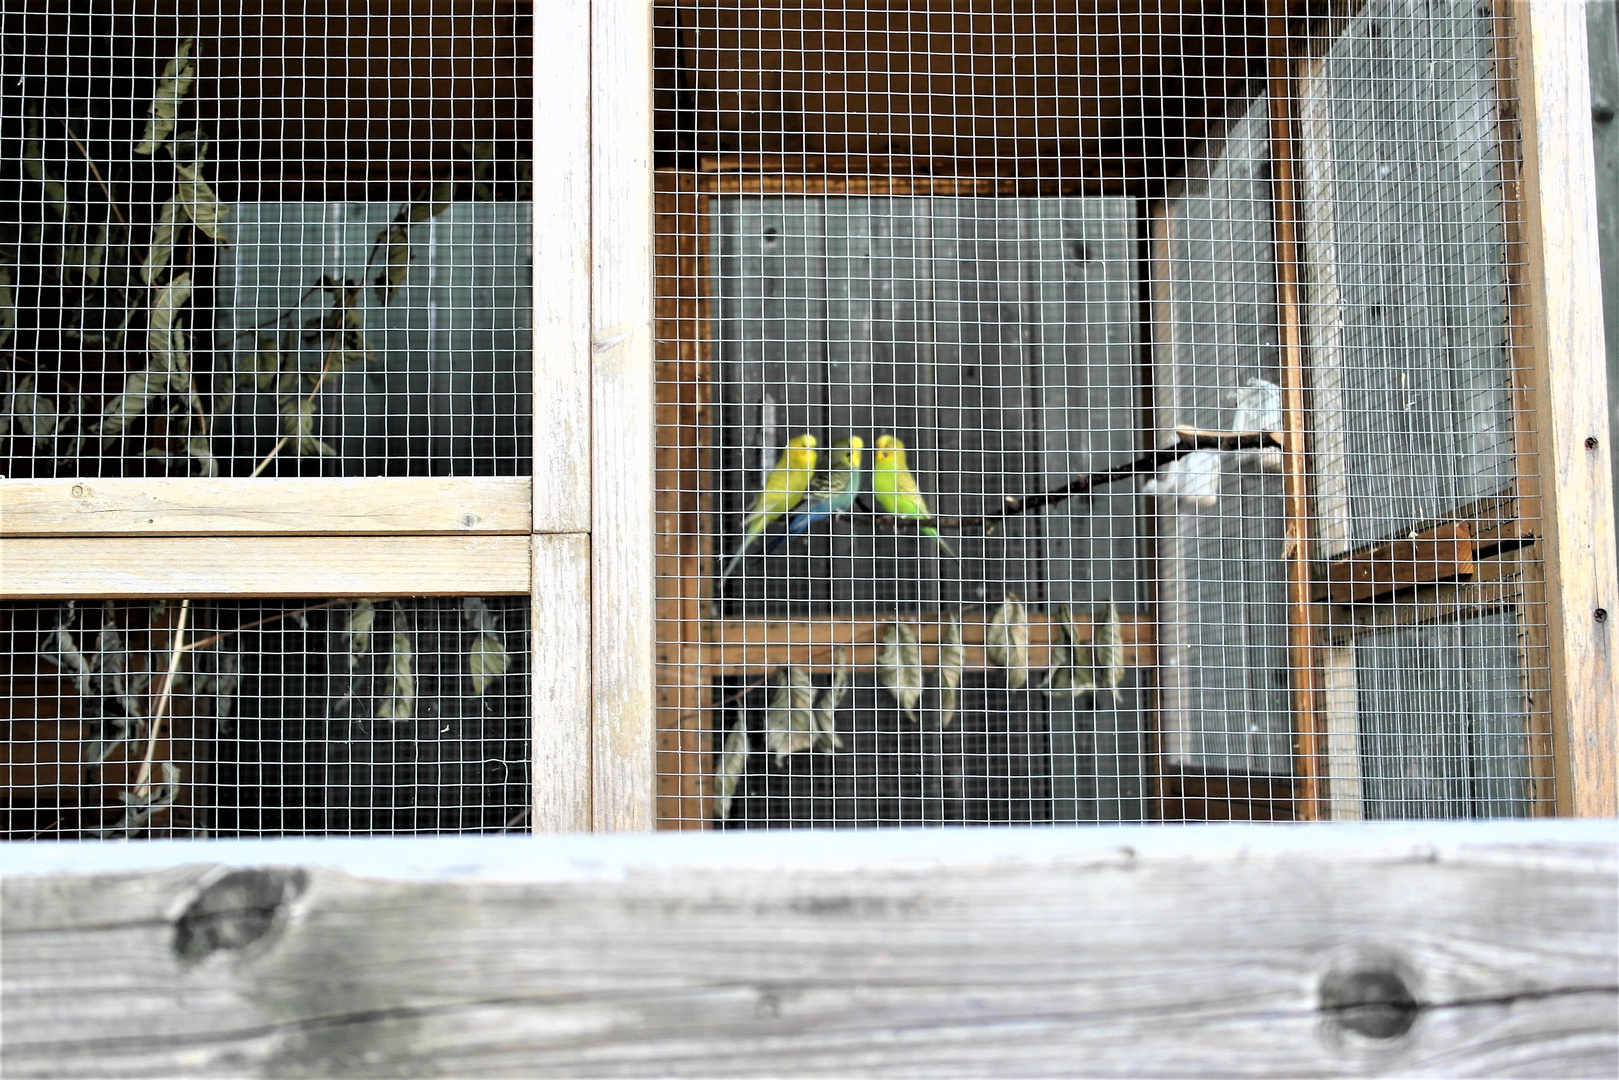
x: 831, y: 493
x: 784, y: 489
x: 896, y: 489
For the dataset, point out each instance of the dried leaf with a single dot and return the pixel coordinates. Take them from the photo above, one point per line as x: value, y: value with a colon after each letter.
x: 1109, y: 649
x: 728, y: 770
x: 436, y: 203
x: 165, y: 340
x: 1007, y: 641
x: 357, y: 628
x: 161, y: 250
x: 952, y: 659
x: 486, y: 661
x: 140, y: 809
x: 140, y: 387
x: 790, y: 717
x: 899, y: 667
x: 395, y: 241
x: 200, y: 450
x: 33, y: 154
x: 298, y: 425
x: 172, y: 88
x: 477, y: 614
x: 399, y: 682
x: 1071, y: 661
x: 203, y: 207
x: 35, y: 414
x: 827, y: 702
x: 8, y: 305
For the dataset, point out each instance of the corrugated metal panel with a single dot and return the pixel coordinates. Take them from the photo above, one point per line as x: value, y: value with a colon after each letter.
x: 449, y: 391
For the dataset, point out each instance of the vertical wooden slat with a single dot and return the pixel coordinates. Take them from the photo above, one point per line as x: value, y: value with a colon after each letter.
x: 562, y: 266
x: 621, y: 553
x: 1565, y: 308
x: 560, y: 592
x: 560, y: 639
x: 1295, y: 463
x: 1526, y: 507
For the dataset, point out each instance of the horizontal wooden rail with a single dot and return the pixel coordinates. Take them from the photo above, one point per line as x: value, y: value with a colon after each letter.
x: 119, y: 567
x: 243, y: 507
x: 1483, y: 949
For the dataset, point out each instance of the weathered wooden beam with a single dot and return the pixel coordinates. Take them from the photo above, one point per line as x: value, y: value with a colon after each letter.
x: 1438, y: 949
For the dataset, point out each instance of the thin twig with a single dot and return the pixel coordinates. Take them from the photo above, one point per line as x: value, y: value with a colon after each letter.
x: 144, y: 776
x: 325, y: 369
x: 207, y: 641
x: 516, y: 819
x: 90, y: 161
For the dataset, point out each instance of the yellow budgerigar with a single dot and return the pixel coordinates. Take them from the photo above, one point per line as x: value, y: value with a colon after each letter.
x: 896, y: 489
x: 784, y: 489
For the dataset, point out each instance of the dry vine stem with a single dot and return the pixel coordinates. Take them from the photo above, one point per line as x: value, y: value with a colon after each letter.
x: 144, y: 776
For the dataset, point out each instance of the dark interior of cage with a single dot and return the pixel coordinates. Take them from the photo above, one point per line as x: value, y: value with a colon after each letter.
x: 224, y: 718
x: 1112, y: 287
x: 250, y: 240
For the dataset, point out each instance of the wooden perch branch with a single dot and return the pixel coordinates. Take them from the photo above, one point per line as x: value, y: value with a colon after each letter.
x: 1191, y: 440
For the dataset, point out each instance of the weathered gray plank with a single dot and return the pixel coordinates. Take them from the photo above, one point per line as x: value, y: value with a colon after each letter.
x: 1126, y: 952
x: 1404, y: 229
x: 1222, y: 579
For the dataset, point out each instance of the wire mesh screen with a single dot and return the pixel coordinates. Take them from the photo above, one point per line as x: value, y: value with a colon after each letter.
x: 1077, y: 412
x: 260, y: 239
x: 226, y: 718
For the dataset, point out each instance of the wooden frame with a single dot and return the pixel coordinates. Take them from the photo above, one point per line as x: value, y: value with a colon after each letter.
x: 576, y: 536
x: 1554, y: 354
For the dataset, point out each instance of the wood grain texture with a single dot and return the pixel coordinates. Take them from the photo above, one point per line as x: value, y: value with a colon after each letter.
x: 1565, y: 302
x: 562, y: 119
x: 1434, y: 555
x: 561, y: 696
x: 118, y: 567
x: 621, y: 552
x: 1146, y: 952
x: 243, y: 507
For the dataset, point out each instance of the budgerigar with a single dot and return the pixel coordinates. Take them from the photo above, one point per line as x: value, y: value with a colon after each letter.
x: 784, y: 489
x: 896, y: 489
x: 831, y: 493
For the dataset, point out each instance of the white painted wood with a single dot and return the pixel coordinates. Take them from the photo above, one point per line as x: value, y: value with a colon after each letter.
x: 240, y: 506
x: 1570, y: 404
x: 1119, y: 952
x: 119, y: 567
x: 1342, y: 767
x: 562, y: 120
x: 621, y: 550
x: 560, y: 633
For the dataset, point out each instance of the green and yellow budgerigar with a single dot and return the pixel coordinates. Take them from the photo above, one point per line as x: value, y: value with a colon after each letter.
x: 784, y: 489
x: 896, y: 489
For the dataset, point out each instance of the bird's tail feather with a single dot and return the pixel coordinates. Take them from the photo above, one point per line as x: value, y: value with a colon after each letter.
x: 731, y: 566
x: 929, y: 530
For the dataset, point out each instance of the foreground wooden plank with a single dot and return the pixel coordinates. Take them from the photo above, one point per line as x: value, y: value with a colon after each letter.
x: 119, y: 567
x: 1469, y: 949
x: 243, y: 507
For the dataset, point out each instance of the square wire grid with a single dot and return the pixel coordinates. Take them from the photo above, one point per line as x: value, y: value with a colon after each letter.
x: 264, y: 240
x: 1031, y: 257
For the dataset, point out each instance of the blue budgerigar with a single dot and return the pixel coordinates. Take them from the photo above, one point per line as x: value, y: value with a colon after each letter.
x: 831, y: 493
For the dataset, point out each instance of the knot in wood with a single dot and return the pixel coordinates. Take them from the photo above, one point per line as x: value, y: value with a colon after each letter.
x: 233, y: 912
x: 1374, y: 1002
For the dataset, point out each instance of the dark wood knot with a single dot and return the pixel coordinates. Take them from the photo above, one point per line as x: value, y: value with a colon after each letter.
x: 1374, y: 1002
x: 234, y: 912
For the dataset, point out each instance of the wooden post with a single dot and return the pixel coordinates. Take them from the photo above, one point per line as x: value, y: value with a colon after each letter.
x: 621, y: 515
x: 1568, y: 380
x: 1296, y: 463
